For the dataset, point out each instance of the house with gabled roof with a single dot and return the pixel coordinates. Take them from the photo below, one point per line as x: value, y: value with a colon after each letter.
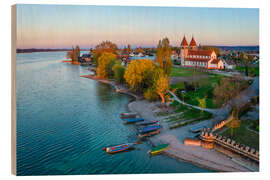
x: 191, y: 56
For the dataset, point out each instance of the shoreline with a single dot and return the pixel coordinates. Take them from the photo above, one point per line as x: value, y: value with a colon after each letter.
x: 118, y: 88
x: 180, y: 152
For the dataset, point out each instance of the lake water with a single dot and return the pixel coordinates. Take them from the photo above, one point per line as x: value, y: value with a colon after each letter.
x: 64, y: 120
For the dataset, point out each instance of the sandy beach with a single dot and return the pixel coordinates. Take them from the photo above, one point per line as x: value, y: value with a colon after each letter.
x: 205, y: 158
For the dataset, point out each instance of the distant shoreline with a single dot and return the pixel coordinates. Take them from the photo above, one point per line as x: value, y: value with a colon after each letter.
x: 242, y: 48
x: 32, y: 50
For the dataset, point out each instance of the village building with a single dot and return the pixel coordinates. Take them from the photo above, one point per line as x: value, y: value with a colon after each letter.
x: 229, y: 64
x: 191, y: 56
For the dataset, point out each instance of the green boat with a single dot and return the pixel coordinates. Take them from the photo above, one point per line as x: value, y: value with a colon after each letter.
x: 158, y: 149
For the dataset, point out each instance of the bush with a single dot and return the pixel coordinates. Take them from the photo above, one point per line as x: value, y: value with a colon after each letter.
x: 189, y: 86
x: 118, y: 71
x: 150, y: 95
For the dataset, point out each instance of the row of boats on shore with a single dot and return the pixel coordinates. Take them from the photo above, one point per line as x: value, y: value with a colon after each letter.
x: 146, y: 128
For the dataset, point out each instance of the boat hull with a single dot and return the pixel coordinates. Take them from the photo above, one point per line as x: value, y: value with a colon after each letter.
x: 119, y: 148
x: 150, y: 128
x: 158, y: 149
x: 149, y: 134
x: 144, y: 123
x: 133, y: 120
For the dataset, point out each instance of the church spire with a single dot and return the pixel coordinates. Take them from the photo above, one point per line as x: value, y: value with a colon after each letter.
x: 184, y: 42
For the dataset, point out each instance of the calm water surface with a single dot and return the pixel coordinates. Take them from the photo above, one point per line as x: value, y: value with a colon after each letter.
x: 63, y: 121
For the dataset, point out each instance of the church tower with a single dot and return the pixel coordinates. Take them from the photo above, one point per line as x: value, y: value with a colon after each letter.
x: 193, y: 45
x: 183, y: 50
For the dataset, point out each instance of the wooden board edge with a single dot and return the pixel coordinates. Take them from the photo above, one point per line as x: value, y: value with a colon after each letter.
x: 13, y: 90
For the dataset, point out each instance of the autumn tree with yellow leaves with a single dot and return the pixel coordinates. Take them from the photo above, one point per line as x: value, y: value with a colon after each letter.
x: 138, y: 74
x: 105, y: 46
x: 162, y: 87
x: 104, y: 62
x: 163, y: 55
x: 144, y: 76
x: 74, y: 54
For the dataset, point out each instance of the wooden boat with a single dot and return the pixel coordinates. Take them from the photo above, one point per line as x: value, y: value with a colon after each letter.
x: 143, y: 123
x: 149, y: 128
x: 133, y: 120
x: 119, y: 148
x: 152, y: 133
x: 129, y: 115
x: 158, y: 149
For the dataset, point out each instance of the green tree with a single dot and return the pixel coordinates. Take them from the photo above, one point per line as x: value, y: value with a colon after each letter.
x: 119, y: 71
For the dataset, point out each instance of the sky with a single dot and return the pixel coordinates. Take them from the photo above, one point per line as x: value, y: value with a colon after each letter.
x: 64, y: 26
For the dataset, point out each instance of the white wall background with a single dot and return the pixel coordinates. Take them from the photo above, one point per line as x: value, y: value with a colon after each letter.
x: 5, y: 84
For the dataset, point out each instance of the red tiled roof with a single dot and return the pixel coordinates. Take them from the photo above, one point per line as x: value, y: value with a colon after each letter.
x: 198, y: 59
x: 184, y: 42
x: 192, y: 42
x: 200, y: 52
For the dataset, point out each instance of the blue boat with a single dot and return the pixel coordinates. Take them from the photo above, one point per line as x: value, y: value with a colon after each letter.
x: 133, y: 120
x: 149, y: 128
x: 144, y: 123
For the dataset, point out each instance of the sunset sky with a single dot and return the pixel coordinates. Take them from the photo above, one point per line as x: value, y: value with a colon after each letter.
x: 64, y: 26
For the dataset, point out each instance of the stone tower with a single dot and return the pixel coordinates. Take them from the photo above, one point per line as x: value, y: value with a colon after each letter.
x: 183, y: 50
x: 193, y: 45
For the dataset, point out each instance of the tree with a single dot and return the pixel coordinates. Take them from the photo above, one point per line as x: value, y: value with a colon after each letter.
x: 228, y: 92
x: 202, y: 102
x: 104, y: 64
x: 162, y: 87
x: 163, y: 55
x: 138, y: 74
x: 105, y: 46
x: 119, y: 71
x: 129, y: 49
x: 245, y: 59
x: 150, y: 94
x: 74, y: 54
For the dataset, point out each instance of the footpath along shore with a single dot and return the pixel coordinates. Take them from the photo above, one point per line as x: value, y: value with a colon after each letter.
x: 205, y: 158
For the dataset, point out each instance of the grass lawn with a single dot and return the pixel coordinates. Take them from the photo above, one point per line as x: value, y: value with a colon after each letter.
x: 243, y: 135
x: 184, y: 72
x: 205, y: 90
x: 242, y: 69
x: 184, y: 115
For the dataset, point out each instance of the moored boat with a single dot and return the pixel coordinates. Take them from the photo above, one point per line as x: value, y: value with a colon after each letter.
x: 129, y: 115
x: 149, y: 128
x: 119, y: 148
x: 152, y: 133
x: 133, y: 120
x: 143, y: 123
x: 158, y: 149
